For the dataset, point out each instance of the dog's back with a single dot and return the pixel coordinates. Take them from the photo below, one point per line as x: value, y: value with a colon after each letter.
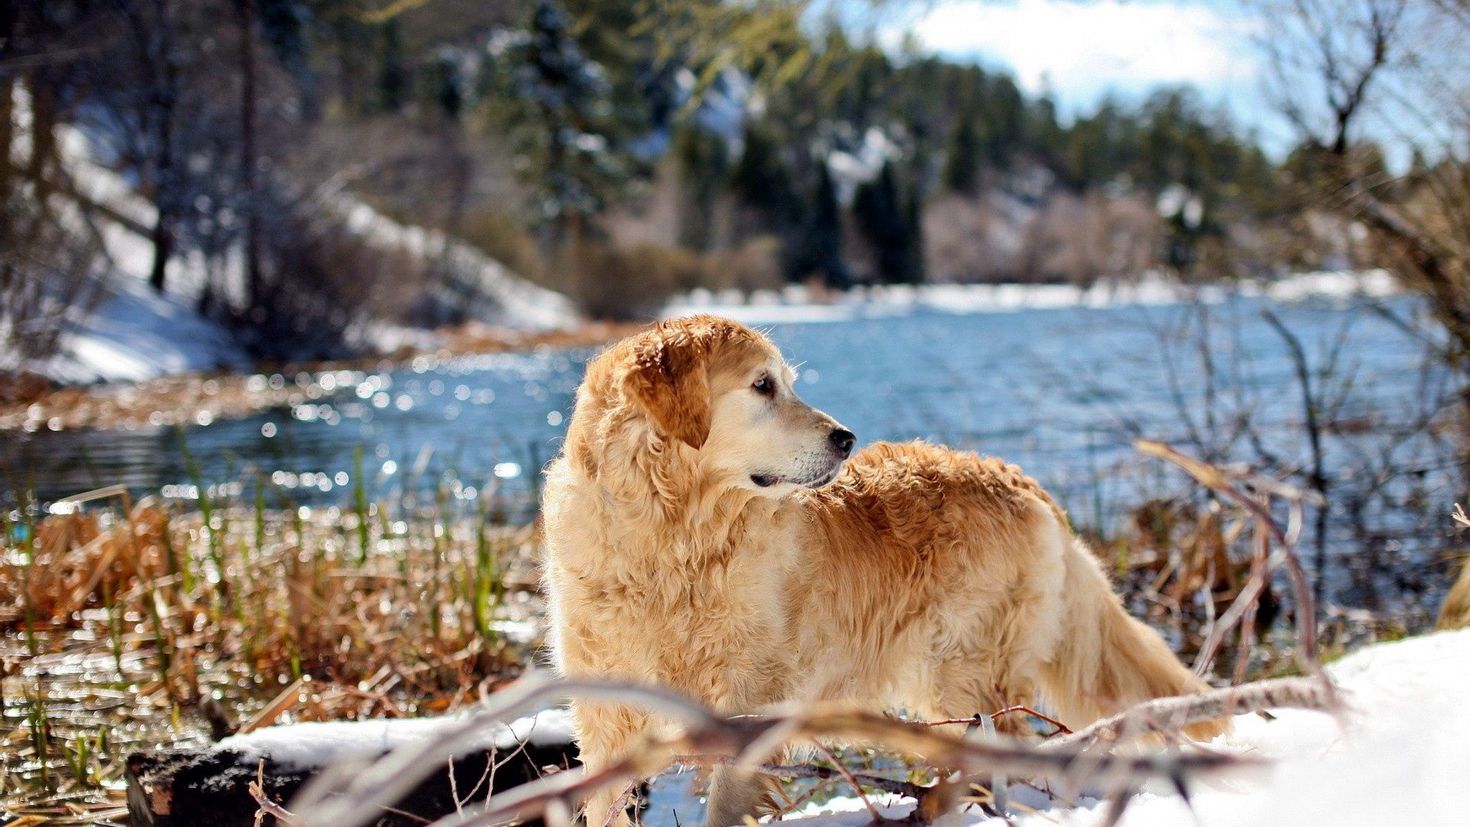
x: 956, y: 582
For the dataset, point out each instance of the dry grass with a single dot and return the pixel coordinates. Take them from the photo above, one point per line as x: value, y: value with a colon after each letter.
x: 1183, y: 560
x: 129, y: 626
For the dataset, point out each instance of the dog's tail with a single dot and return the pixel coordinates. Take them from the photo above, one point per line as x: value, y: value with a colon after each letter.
x: 1105, y: 660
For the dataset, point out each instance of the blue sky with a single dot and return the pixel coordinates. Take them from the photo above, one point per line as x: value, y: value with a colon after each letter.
x: 1082, y: 50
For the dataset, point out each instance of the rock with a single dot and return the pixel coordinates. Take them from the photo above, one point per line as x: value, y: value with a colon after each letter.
x: 209, y: 786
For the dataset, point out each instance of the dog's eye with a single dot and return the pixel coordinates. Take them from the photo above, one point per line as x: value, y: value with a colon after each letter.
x: 764, y: 386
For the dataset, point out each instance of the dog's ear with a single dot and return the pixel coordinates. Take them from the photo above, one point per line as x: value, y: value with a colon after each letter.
x: 670, y: 379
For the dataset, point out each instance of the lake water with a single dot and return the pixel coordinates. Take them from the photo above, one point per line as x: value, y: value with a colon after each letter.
x: 1062, y: 391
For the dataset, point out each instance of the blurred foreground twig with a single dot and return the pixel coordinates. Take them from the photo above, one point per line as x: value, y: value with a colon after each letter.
x: 347, y: 796
x: 1277, y: 550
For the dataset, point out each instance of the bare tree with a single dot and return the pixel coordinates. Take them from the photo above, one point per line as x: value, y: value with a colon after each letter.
x: 1324, y: 57
x: 48, y: 246
x: 250, y: 207
x: 150, y: 29
x: 1345, y: 73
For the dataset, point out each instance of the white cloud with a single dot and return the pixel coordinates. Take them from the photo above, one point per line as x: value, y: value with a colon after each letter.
x: 1082, y: 49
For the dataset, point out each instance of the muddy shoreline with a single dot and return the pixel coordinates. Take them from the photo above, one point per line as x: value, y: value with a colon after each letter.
x: 29, y: 403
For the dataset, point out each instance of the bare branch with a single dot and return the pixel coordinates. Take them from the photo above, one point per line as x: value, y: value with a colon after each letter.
x: 366, y: 789
x: 265, y: 806
x: 1167, y: 716
x: 1224, y: 481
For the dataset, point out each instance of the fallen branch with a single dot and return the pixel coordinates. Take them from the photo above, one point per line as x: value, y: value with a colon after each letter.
x: 974, y: 720
x: 270, y: 808
x: 857, y: 788
x: 264, y: 805
x: 353, y: 796
x: 1167, y: 716
x: 872, y: 782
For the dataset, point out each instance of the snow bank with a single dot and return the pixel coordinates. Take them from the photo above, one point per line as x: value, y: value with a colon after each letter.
x: 132, y: 333
x: 513, y: 301
x: 797, y: 305
x: 1401, y: 756
x: 306, y: 746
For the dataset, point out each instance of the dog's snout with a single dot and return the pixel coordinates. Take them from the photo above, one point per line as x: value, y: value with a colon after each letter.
x: 842, y: 439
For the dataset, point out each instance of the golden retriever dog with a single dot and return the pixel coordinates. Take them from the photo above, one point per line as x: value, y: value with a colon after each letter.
x: 707, y: 531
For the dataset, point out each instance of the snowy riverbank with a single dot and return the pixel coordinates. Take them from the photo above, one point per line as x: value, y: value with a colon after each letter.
x: 132, y: 333
x: 796, y: 303
x: 1398, y: 756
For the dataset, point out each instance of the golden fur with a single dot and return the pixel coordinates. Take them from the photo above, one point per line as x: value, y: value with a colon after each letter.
x: 693, y: 541
x: 1454, y: 613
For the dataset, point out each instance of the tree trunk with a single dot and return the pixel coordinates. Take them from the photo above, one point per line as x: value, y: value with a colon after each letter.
x: 163, y: 250
x: 166, y: 196
x: 253, y: 284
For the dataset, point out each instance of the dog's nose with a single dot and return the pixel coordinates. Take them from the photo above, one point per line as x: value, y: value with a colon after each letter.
x: 842, y: 439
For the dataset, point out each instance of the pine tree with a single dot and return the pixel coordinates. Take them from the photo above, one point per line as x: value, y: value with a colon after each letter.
x: 558, y: 102
x: 392, y: 76
x: 284, y: 28
x: 962, y: 157
x: 889, y: 223
x: 819, y: 250
x: 703, y: 165
x: 443, y: 85
x: 760, y: 180
x: 1003, y: 114
x: 912, y: 269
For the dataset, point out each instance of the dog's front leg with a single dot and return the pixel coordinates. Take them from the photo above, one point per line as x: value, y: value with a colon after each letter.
x: 733, y: 795
x: 604, y: 733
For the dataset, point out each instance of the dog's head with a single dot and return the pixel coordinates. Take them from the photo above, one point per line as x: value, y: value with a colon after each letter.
x: 719, y: 396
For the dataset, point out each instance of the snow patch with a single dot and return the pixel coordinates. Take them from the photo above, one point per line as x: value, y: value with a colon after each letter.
x: 513, y: 301
x: 1398, y: 757
x: 131, y: 332
x: 300, y: 747
x: 796, y: 304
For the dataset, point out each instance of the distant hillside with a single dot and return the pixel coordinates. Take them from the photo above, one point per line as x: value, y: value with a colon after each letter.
x: 610, y: 159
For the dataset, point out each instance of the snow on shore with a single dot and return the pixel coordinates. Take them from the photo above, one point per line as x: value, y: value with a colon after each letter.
x: 1400, y: 756
x: 312, y: 745
x: 512, y: 301
x: 796, y: 304
x: 132, y: 333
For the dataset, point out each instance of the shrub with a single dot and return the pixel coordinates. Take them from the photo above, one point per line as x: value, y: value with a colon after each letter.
x: 48, y: 270
x: 321, y: 281
x: 754, y: 265
x: 624, y: 285
x: 499, y: 236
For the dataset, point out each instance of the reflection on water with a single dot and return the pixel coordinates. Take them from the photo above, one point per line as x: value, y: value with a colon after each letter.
x: 470, y: 425
x: 1061, y: 391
